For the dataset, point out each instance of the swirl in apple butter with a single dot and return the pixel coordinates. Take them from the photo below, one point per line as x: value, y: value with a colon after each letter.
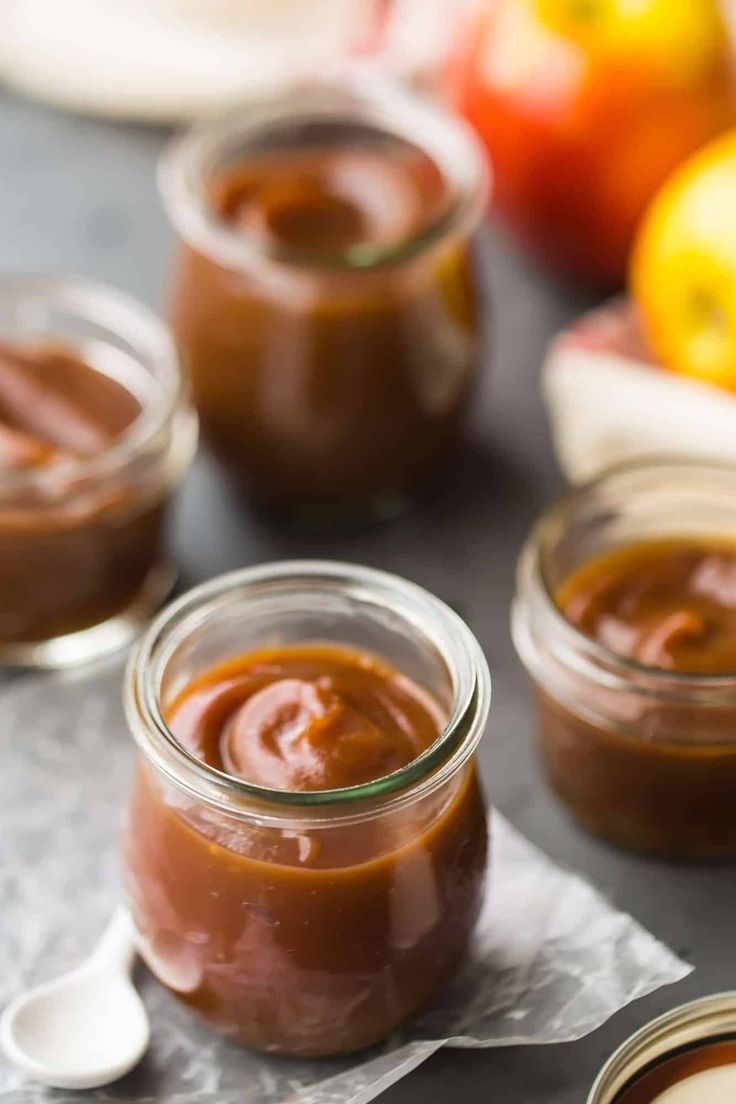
x: 56, y: 408
x: 308, y: 718
x: 323, y: 201
x: 666, y: 603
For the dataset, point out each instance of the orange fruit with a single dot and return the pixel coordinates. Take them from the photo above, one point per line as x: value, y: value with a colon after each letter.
x: 683, y: 268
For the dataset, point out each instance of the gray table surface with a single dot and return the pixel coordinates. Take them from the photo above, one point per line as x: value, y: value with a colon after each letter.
x: 79, y: 195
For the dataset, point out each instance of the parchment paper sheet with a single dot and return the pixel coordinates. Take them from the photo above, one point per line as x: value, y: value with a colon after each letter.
x: 552, y: 959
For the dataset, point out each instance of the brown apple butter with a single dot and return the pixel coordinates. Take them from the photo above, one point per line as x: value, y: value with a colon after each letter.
x: 663, y: 777
x: 75, y: 547
x: 664, y: 603
x: 309, y: 718
x: 306, y: 936
x: 625, y: 618
x: 54, y: 407
x: 325, y: 302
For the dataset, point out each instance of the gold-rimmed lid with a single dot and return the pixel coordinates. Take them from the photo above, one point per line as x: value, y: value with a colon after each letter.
x: 697, y: 1023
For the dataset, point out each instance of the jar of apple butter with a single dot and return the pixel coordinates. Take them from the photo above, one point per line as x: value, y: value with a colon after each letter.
x: 625, y: 617
x: 324, y: 297
x: 96, y: 431
x: 306, y: 840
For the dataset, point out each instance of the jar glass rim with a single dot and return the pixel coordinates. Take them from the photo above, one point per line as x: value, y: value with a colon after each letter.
x: 385, y: 104
x: 147, y: 340
x: 594, y: 659
x: 471, y: 686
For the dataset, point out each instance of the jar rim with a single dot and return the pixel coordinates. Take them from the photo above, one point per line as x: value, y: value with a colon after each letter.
x: 451, y: 750
x: 588, y: 657
x: 690, y: 1025
x: 387, y: 105
x: 147, y: 340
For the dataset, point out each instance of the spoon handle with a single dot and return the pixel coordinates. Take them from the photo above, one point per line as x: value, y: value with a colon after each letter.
x: 116, y: 946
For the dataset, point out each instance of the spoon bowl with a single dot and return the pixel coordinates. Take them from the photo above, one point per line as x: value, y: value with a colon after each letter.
x: 84, y: 1029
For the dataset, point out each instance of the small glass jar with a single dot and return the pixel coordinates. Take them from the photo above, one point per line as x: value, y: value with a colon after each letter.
x: 307, y: 923
x: 643, y: 756
x: 82, y: 559
x: 330, y: 377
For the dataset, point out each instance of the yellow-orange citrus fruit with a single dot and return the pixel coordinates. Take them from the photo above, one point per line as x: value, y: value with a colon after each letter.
x: 683, y: 268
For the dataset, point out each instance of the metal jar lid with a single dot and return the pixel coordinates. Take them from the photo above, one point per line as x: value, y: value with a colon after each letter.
x: 699, y: 1021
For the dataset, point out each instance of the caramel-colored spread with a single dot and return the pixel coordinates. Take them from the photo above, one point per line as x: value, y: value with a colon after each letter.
x: 648, y: 765
x: 55, y: 407
x: 322, y: 201
x: 327, y: 383
x: 309, y: 718
x: 664, y: 603
x: 317, y: 934
x: 74, y: 550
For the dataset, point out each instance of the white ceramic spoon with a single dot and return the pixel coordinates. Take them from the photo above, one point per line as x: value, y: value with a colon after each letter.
x: 86, y: 1028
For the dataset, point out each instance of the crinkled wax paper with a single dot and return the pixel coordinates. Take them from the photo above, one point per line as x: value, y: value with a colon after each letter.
x: 552, y: 959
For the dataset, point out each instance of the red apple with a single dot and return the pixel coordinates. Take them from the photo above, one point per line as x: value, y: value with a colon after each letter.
x: 586, y: 106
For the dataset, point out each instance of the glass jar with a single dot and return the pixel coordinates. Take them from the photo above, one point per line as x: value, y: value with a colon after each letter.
x: 643, y: 756
x: 308, y: 923
x: 82, y: 560
x: 331, y: 327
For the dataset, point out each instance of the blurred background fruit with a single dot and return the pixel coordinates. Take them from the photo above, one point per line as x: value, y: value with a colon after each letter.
x: 586, y: 106
x: 683, y: 272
